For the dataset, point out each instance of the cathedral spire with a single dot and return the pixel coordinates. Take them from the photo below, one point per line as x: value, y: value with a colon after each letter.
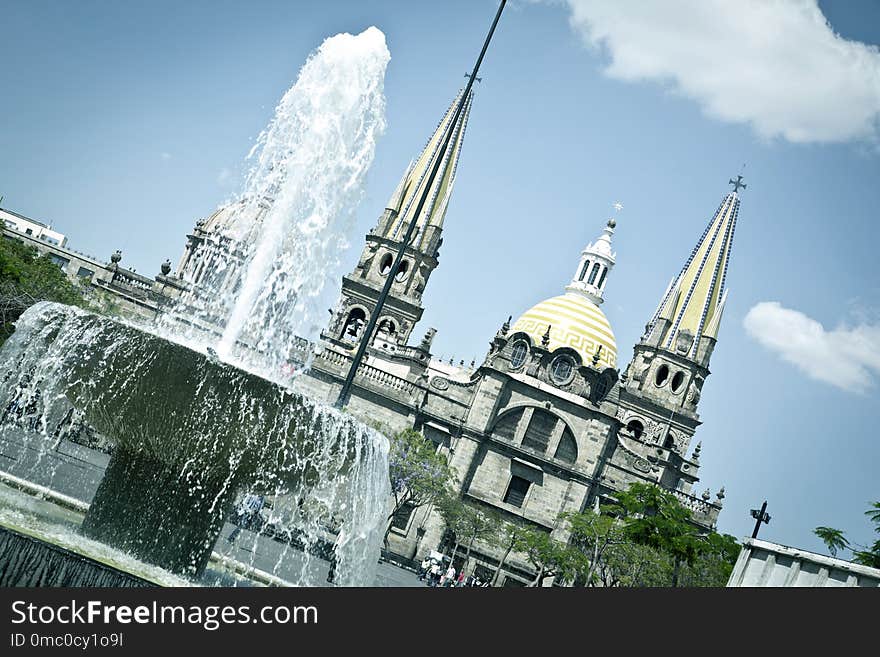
x: 692, y: 305
x: 402, y: 204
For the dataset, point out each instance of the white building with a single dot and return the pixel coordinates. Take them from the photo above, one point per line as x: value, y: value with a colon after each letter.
x: 31, y: 227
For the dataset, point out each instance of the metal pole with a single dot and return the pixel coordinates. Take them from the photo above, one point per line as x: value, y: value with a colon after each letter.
x: 380, y: 302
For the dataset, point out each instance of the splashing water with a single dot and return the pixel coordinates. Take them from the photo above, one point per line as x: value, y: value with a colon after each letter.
x: 282, y: 244
x: 256, y: 297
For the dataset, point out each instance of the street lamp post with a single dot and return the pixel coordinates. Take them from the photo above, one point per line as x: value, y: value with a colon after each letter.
x: 380, y: 302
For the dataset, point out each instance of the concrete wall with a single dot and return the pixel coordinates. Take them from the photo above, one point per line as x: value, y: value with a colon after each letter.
x: 762, y: 563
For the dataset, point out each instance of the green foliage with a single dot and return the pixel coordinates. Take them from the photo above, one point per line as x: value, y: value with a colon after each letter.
x: 866, y: 555
x: 26, y: 278
x: 647, y: 538
x: 469, y: 523
x: 419, y: 473
x: 833, y: 538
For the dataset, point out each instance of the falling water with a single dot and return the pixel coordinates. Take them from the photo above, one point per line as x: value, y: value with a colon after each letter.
x: 282, y: 245
x: 257, y: 298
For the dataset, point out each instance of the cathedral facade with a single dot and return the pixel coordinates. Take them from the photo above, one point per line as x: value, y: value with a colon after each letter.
x: 547, y: 422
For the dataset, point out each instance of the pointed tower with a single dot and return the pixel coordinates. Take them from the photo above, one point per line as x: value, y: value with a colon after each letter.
x: 661, y: 387
x: 361, y: 288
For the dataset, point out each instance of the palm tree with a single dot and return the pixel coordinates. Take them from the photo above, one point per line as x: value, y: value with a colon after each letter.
x: 833, y: 538
x: 874, y: 513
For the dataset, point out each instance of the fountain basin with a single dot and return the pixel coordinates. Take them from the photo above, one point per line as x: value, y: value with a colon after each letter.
x: 189, y: 433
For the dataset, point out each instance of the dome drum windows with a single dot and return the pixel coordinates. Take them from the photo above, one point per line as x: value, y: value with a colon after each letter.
x: 518, y: 354
x: 562, y: 369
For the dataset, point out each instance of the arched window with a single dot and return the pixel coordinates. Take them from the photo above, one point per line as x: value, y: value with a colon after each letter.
x: 540, y: 429
x: 602, y: 277
x: 402, y: 271
x: 506, y: 425
x: 385, y: 264
x: 561, y: 370
x: 669, y: 443
x: 636, y: 428
x: 662, y: 375
x: 357, y: 318
x: 567, y: 450
x: 677, y: 380
x: 387, y: 326
x: 518, y: 354
x: 584, y: 271
x: 593, y: 273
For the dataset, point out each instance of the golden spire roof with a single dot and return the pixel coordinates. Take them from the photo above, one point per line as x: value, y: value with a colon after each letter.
x: 405, y: 198
x: 694, y: 300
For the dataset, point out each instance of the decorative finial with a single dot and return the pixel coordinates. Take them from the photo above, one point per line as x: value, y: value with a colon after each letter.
x: 737, y: 184
x: 473, y: 362
x: 706, y: 495
x: 719, y: 496
x: 166, y: 268
x: 696, y: 456
x: 452, y: 360
x: 596, y: 356
x: 612, y: 223
x: 116, y: 257
x: 545, y: 339
x: 505, y: 327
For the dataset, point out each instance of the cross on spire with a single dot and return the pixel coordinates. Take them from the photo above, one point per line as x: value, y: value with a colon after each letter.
x: 467, y: 75
x: 737, y: 184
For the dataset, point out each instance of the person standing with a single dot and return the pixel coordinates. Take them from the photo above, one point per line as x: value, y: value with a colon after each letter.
x: 450, y: 576
x: 423, y: 568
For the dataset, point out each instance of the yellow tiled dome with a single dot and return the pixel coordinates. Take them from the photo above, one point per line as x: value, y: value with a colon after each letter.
x: 575, y: 322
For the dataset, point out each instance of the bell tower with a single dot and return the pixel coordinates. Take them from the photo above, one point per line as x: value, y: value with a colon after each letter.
x: 361, y: 288
x: 661, y: 387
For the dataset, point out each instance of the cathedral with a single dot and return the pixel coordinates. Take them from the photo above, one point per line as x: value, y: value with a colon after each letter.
x: 547, y: 422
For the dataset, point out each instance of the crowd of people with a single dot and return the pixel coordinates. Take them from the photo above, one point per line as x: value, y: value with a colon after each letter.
x: 434, y: 572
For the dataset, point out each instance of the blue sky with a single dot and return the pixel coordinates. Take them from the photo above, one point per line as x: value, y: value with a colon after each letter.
x: 122, y: 123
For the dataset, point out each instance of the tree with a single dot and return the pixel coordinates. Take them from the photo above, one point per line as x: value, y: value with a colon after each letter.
x: 833, y: 538
x: 26, y: 277
x: 864, y: 555
x: 593, y: 534
x: 419, y: 474
x: 654, y: 517
x: 510, y: 538
x: 468, y: 523
x: 551, y: 558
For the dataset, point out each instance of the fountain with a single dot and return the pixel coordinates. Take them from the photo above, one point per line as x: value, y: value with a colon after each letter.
x: 199, y: 408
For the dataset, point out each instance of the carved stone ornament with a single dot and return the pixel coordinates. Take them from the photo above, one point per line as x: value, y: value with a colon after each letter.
x: 683, y: 341
x: 440, y: 383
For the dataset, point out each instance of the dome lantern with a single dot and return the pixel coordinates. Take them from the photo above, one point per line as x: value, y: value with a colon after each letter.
x: 596, y: 261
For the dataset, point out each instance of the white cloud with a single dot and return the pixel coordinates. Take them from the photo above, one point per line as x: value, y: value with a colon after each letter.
x: 848, y: 358
x: 776, y: 65
x: 166, y: 156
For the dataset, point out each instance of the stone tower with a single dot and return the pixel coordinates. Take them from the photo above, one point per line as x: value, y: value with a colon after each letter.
x: 361, y: 288
x: 661, y: 387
